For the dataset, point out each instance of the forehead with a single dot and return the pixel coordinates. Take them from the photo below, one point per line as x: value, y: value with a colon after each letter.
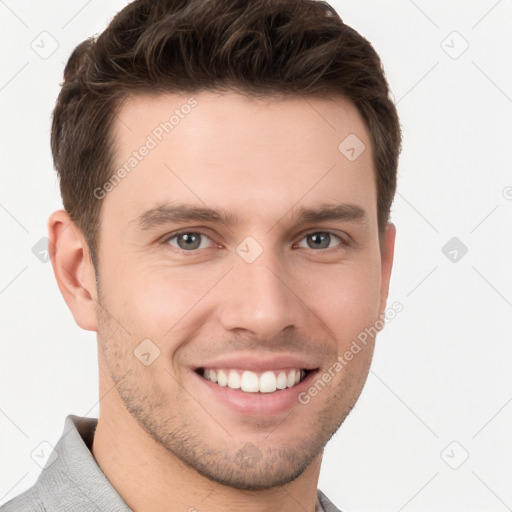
x: 258, y: 156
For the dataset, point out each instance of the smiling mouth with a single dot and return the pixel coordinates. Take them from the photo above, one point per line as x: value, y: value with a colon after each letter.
x: 270, y: 381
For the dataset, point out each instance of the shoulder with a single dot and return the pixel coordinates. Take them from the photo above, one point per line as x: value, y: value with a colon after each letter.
x: 28, y: 501
x: 55, y: 481
x: 326, y: 503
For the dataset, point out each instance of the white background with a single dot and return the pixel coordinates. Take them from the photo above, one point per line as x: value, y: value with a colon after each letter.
x: 441, y: 371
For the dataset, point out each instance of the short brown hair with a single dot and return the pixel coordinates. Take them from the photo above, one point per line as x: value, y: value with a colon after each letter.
x: 258, y: 47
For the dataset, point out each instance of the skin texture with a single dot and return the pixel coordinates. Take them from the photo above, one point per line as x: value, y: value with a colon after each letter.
x: 162, y: 442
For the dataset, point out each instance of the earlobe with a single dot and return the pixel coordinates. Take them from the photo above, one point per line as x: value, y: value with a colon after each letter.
x: 73, y: 268
x: 387, y: 254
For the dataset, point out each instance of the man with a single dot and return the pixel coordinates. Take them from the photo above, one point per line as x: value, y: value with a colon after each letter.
x: 227, y: 171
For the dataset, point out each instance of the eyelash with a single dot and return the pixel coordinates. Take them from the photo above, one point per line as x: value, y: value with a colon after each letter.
x: 172, y: 236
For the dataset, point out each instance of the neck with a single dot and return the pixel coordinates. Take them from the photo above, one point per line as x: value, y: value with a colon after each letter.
x: 150, y: 478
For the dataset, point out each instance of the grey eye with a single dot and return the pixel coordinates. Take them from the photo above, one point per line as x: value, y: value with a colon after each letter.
x: 188, y: 241
x: 319, y: 240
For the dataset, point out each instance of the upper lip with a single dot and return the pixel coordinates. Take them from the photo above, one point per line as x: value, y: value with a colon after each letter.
x: 260, y: 363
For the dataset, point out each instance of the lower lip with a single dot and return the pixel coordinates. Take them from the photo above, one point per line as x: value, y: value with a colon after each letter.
x: 257, y: 404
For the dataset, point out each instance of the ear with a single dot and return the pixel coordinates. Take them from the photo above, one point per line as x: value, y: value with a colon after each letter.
x: 73, y: 268
x: 387, y: 253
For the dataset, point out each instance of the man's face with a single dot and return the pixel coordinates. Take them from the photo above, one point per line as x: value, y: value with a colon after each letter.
x: 264, y: 289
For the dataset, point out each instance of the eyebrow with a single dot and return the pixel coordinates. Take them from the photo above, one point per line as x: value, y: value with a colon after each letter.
x: 178, y: 213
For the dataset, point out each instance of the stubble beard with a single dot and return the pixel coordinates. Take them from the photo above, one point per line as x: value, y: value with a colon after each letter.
x: 237, y: 462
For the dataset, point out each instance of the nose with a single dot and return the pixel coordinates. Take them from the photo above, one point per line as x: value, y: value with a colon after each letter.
x: 261, y: 298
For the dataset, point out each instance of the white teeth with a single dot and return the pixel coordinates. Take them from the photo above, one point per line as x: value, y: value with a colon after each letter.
x: 268, y: 382
x: 222, y: 378
x: 281, y: 380
x: 251, y: 382
x: 234, y: 379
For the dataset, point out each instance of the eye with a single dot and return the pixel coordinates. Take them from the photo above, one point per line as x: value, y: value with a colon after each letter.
x: 190, y: 241
x: 187, y: 241
x: 321, y: 240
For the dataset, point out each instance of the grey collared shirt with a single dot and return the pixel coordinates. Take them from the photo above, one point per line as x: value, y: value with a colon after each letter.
x: 72, y: 480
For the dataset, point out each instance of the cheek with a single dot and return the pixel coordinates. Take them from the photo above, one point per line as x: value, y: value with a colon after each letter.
x: 155, y: 299
x: 346, y: 299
